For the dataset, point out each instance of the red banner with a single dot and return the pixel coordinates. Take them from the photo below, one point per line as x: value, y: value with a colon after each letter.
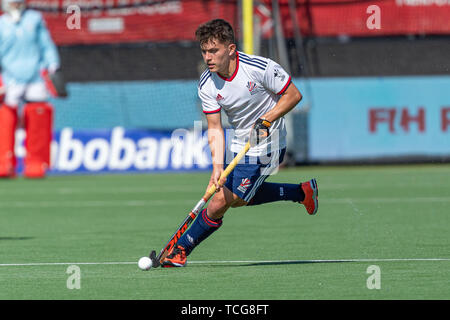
x: 112, y: 21
x: 372, y: 17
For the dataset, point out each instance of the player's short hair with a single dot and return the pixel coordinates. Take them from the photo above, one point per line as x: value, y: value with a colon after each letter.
x: 215, y: 29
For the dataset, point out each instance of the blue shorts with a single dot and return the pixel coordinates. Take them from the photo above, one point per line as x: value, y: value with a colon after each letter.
x: 251, y: 172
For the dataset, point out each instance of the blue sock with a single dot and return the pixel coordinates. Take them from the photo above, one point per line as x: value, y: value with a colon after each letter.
x: 270, y: 192
x: 201, y: 228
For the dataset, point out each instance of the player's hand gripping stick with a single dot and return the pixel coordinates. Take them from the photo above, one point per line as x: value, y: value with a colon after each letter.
x: 260, y: 131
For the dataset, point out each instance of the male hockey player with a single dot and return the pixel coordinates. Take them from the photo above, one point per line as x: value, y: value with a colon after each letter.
x: 255, y: 93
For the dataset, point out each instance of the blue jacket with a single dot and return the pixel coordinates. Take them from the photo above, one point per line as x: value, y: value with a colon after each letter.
x: 26, y: 48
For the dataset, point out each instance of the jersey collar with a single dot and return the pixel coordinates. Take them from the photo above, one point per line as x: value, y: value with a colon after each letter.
x: 235, y: 70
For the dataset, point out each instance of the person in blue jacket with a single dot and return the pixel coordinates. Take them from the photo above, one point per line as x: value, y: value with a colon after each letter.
x: 27, y: 52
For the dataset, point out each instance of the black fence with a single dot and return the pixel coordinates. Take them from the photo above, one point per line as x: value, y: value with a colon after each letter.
x: 326, y: 57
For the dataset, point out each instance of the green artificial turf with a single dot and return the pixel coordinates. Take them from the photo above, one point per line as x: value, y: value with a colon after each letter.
x: 393, y: 217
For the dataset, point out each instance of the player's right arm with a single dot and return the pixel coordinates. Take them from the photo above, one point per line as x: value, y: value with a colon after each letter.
x: 216, y: 140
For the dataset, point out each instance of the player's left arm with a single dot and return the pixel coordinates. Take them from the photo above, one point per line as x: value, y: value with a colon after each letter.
x: 289, y: 99
x: 276, y: 80
x: 49, y: 52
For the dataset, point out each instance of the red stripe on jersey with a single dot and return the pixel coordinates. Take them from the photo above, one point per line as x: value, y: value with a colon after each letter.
x: 214, y: 111
x: 285, y: 86
x: 235, y: 70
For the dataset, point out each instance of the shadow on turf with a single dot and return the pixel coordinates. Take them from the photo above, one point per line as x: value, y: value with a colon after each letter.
x: 274, y: 263
x: 16, y: 238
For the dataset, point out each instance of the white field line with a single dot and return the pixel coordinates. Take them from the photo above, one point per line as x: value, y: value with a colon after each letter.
x: 145, y: 203
x: 167, y: 189
x: 90, y: 203
x: 102, y: 190
x: 385, y: 199
x: 231, y: 262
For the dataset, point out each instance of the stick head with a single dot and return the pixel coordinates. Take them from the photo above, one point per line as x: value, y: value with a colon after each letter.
x: 155, y: 260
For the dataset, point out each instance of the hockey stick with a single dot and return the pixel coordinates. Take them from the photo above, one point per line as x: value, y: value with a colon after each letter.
x: 157, y: 260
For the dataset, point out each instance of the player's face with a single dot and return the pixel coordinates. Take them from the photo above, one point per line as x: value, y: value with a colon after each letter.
x: 217, y: 55
x: 15, y: 5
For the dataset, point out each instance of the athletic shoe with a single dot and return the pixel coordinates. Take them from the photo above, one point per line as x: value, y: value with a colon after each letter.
x: 311, y: 192
x: 176, y: 258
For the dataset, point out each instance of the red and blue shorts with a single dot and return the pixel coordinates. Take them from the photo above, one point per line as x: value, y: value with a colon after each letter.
x: 251, y: 172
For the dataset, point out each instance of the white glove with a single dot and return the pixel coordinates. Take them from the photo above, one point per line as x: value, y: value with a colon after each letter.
x: 52, y: 68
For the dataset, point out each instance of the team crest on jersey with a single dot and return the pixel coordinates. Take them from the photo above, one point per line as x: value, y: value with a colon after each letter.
x: 252, y: 87
x: 278, y: 74
x: 245, y: 184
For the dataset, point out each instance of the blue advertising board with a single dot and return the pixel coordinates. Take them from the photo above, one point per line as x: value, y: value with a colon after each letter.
x: 120, y: 150
x: 160, y: 105
x: 347, y: 119
x: 367, y: 118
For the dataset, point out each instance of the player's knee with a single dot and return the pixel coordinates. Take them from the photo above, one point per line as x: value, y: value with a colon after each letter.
x: 218, y: 206
x: 222, y: 201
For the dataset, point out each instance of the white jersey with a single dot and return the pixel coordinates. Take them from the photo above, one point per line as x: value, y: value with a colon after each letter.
x: 253, y: 90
